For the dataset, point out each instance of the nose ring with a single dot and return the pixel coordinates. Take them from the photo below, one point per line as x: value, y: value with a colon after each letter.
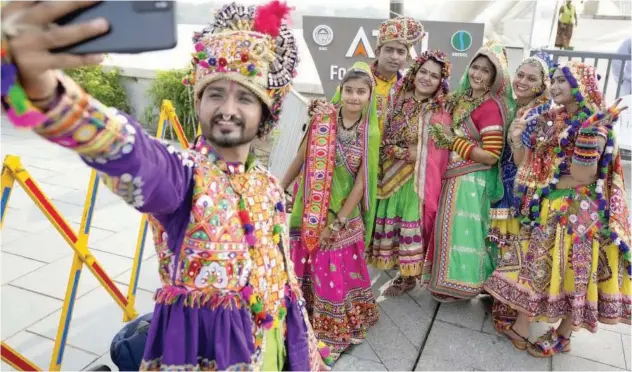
x: 226, y: 117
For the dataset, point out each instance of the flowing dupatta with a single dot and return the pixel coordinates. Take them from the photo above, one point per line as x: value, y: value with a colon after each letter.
x: 314, y: 191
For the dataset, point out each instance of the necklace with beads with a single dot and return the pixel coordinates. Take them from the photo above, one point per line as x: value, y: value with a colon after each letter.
x: 347, y: 135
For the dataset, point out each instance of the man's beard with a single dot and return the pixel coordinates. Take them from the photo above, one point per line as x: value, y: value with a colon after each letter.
x: 228, y: 140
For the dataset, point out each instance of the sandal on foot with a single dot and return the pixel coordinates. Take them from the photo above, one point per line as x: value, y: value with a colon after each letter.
x: 550, y: 344
x: 399, y: 286
x: 521, y: 344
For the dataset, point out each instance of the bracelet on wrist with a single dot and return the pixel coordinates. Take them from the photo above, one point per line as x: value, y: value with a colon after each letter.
x: 516, y: 144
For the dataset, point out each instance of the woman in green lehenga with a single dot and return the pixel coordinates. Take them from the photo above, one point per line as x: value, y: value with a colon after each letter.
x: 334, y: 211
x: 481, y: 109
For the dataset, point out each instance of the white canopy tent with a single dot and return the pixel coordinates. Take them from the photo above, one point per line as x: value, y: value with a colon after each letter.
x: 520, y: 25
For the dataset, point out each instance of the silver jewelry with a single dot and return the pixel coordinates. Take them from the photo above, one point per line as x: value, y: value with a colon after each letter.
x: 347, y: 136
x: 515, y: 145
x: 226, y: 117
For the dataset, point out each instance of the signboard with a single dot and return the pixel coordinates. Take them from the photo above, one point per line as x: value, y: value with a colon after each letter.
x: 335, y: 43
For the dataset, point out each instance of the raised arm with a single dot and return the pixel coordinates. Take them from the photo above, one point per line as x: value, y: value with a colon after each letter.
x: 149, y: 175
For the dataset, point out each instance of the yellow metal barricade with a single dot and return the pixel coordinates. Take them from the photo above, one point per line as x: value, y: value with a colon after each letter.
x: 12, y: 171
x: 167, y: 117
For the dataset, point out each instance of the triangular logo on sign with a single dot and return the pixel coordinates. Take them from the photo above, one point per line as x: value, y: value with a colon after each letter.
x: 360, y: 46
x: 360, y: 50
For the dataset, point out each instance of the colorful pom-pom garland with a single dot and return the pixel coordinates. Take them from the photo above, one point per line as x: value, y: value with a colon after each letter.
x: 325, y: 354
x: 255, y: 302
x: 584, y: 119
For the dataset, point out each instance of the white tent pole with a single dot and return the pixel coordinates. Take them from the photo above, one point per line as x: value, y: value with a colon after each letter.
x: 300, y: 97
x: 527, y: 50
x: 553, y: 23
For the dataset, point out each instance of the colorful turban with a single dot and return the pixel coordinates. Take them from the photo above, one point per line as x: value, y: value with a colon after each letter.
x: 251, y: 46
x: 405, y: 30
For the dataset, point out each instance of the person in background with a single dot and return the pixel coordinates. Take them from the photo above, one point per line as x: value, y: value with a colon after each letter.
x: 395, y: 38
x: 411, y: 170
x: 483, y: 107
x: 574, y: 260
x: 624, y: 79
x: 229, y: 299
x: 565, y: 24
x: 334, y: 210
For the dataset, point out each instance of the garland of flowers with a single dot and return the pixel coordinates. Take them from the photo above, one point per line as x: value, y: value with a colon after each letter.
x: 580, y: 121
x: 472, y: 104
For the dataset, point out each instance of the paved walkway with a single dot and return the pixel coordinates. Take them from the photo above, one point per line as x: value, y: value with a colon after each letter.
x: 414, y: 332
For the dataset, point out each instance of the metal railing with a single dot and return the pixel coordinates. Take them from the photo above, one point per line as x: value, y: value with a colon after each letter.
x: 611, y: 88
x: 598, y: 60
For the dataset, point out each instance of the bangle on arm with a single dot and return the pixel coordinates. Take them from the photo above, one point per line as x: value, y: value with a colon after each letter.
x: 516, y: 145
x: 587, y: 149
x: 463, y: 147
x: 493, y: 143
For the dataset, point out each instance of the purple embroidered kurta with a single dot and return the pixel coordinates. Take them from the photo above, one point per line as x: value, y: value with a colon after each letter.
x: 220, y: 298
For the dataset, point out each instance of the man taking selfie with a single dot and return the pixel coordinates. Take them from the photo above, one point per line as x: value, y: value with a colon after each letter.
x: 229, y: 298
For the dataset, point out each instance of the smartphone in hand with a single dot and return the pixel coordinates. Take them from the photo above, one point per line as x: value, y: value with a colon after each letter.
x: 135, y: 27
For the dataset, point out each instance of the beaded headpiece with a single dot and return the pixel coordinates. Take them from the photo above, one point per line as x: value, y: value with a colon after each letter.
x: 405, y: 30
x: 408, y: 82
x: 584, y: 83
x: 251, y: 46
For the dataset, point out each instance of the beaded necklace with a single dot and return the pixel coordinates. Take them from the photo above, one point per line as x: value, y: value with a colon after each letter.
x: 347, y: 135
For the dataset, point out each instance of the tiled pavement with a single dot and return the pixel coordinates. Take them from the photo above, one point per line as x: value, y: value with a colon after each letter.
x: 414, y: 332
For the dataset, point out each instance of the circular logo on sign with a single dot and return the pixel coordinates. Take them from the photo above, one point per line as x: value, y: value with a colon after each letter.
x: 461, y: 41
x: 323, y: 35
